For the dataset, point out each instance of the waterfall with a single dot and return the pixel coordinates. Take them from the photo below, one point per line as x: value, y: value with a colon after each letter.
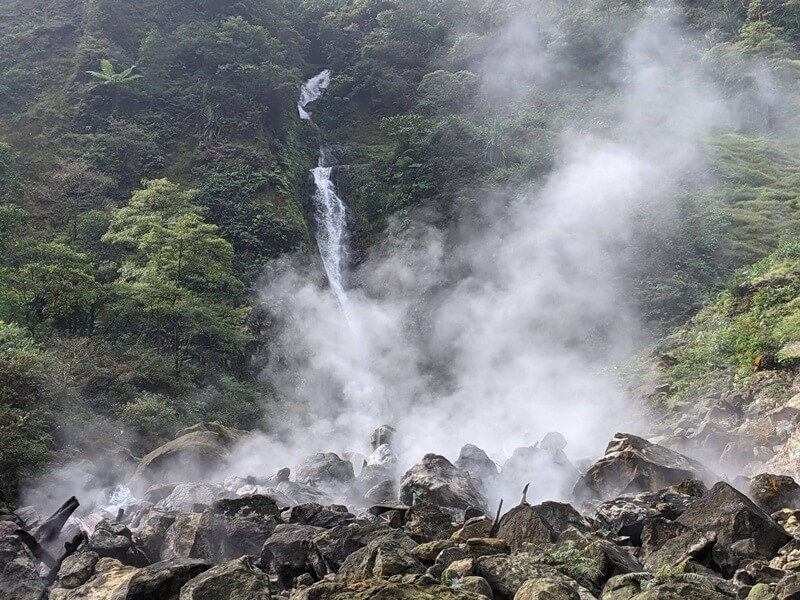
x: 329, y: 210
x: 311, y: 91
x: 331, y: 217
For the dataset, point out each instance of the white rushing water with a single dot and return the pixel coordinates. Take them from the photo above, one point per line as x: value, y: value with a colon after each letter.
x: 331, y: 231
x: 311, y: 91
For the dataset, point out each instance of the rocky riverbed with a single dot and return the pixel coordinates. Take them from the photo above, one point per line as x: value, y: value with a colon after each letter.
x: 644, y: 522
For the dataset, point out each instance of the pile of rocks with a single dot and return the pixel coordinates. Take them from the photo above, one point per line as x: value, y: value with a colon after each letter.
x: 644, y: 525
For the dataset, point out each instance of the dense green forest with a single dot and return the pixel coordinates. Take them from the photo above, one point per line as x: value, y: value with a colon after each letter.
x: 152, y: 161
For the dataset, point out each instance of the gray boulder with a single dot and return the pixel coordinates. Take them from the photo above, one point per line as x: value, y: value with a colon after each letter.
x: 438, y: 481
x: 238, y: 579
x: 632, y: 465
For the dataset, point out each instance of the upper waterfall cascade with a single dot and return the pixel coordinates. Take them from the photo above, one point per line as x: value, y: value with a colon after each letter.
x: 311, y: 91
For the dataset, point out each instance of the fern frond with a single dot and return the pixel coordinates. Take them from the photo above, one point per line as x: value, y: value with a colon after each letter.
x: 107, y: 68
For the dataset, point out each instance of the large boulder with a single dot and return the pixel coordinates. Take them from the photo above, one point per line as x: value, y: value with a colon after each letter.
x: 238, y: 579
x: 76, y: 569
x: 632, y: 464
x: 438, y: 481
x: 774, y: 492
x: 625, y: 514
x: 162, y: 580
x: 507, y: 574
x: 384, y: 557
x: 523, y: 527
x: 383, y: 590
x: 327, y: 550
x: 283, y: 553
x: 427, y: 521
x: 240, y: 526
x: 18, y: 578
x: 189, y: 536
x: 379, y: 466
x: 326, y: 471
x: 110, y: 580
x: 189, y: 457
x: 114, y: 540
x: 477, y: 463
x: 734, y: 519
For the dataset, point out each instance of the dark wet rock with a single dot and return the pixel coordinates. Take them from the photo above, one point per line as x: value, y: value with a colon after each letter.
x: 326, y: 471
x: 114, y: 540
x: 626, y: 514
x: 523, y: 527
x: 774, y: 492
x: 544, y: 469
x: 327, y: 550
x: 450, y: 555
x: 76, y: 569
x: 632, y: 465
x: 18, y: 578
x: 733, y: 518
x: 438, y: 481
x: 195, y: 452
x: 151, y: 534
x: 186, y: 496
x: 383, y: 557
x: 546, y: 589
x: 561, y: 516
x: 383, y: 590
x: 656, y: 533
x: 608, y: 558
x: 426, y: 521
x: 689, y: 543
x: 319, y: 516
x: 283, y: 552
x: 238, y: 579
x: 477, y: 585
x: 163, y: 580
x: 240, y: 526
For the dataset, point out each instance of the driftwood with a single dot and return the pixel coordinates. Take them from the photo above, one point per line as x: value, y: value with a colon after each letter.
x: 524, y: 501
x: 69, y: 549
x: 50, y: 529
x: 496, y: 525
x: 36, y: 549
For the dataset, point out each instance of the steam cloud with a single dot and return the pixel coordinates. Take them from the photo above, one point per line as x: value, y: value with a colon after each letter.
x: 508, y: 325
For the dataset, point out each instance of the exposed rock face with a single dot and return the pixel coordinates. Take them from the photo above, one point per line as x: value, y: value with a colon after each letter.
x: 626, y: 514
x: 242, y: 525
x: 379, y: 466
x: 238, y: 579
x: 507, y: 574
x: 163, y: 580
x: 632, y: 464
x: 734, y: 519
x: 114, y: 540
x: 18, y: 578
x: 438, y: 481
x: 774, y: 492
x: 187, y: 458
x: 109, y: 581
x: 427, y: 521
x: 283, y: 552
x: 189, y: 536
x: 327, y: 550
x: 477, y: 463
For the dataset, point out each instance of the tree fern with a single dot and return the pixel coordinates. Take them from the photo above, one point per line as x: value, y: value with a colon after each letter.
x: 667, y: 572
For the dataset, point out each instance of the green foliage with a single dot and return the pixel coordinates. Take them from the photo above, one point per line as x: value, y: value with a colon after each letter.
x: 570, y: 559
x: 177, y: 275
x: 667, y: 573
x: 107, y: 75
